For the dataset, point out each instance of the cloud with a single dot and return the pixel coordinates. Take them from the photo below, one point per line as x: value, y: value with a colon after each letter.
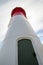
x: 28, y: 1
x: 40, y: 31
x: 1, y: 44
x: 3, y: 2
x: 40, y: 35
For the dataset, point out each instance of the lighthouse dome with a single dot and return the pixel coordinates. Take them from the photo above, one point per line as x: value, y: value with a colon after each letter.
x: 17, y: 11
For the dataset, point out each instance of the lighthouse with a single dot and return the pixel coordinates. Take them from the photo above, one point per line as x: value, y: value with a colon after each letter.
x: 21, y: 45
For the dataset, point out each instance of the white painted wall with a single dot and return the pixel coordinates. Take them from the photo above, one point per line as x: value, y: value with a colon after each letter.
x: 18, y: 28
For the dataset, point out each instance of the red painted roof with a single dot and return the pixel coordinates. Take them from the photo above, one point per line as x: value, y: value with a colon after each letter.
x: 17, y: 11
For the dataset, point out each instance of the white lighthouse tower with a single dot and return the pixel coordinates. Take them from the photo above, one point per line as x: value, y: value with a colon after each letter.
x: 21, y: 46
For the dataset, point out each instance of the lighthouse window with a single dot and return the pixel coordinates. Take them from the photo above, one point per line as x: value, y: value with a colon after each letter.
x: 26, y: 53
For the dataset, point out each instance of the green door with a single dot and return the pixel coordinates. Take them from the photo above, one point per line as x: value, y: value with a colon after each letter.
x: 26, y: 54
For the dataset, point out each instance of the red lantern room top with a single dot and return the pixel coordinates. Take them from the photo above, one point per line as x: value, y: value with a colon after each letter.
x: 17, y: 11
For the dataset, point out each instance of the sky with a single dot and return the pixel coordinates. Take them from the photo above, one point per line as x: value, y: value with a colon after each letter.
x: 34, y: 11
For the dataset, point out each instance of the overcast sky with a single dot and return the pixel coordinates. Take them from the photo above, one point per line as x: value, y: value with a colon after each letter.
x: 34, y: 11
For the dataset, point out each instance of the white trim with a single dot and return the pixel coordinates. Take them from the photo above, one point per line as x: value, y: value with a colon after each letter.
x: 32, y: 40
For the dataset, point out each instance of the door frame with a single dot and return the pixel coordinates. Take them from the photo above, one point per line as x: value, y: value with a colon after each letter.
x: 31, y: 37
x: 26, y: 37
